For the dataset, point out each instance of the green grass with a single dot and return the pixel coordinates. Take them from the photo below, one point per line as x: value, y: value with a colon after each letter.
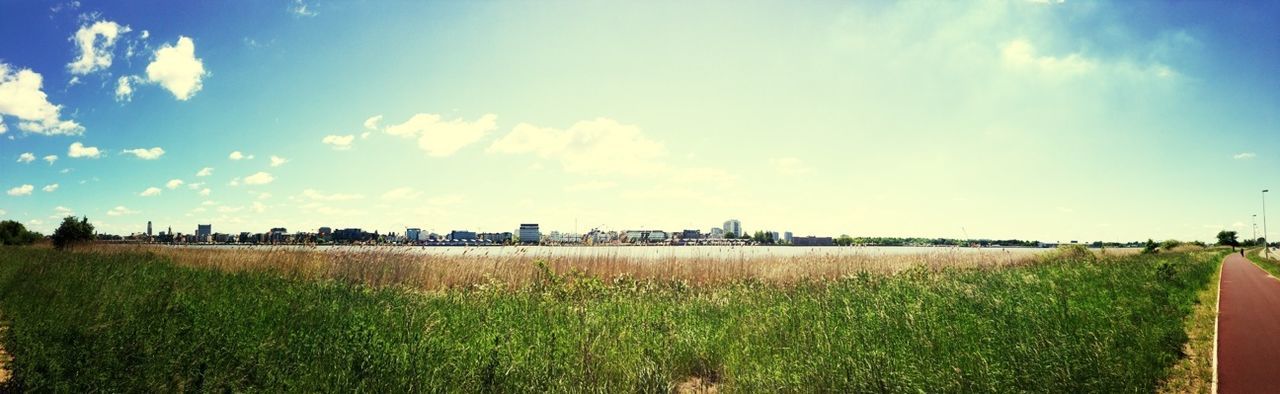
x: 1271, y: 265
x: 133, y: 322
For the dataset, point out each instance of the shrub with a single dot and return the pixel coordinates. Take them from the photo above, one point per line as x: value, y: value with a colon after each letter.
x: 14, y: 233
x: 72, y: 232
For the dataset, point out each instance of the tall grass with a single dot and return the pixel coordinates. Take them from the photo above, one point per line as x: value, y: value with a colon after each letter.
x: 126, y: 321
x: 382, y: 266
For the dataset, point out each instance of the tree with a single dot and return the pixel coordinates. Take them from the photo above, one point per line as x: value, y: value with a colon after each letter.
x: 844, y: 240
x: 1227, y: 238
x: 14, y: 233
x: 72, y: 232
x: 1150, y: 247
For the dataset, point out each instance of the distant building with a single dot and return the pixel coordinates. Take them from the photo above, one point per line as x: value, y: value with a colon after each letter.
x: 148, y: 228
x: 786, y: 237
x: 691, y: 234
x: 733, y: 226
x: 564, y: 238
x: 413, y: 234
x: 497, y: 238
x: 350, y: 235
x: 203, y: 231
x: 278, y: 235
x: 644, y: 236
x: 812, y: 241
x: 325, y: 231
x: 716, y: 233
x: 529, y: 233
x: 462, y: 235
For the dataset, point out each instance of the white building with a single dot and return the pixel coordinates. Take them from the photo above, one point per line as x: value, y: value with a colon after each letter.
x: 733, y: 226
x: 644, y: 236
x: 715, y: 233
x: 786, y: 237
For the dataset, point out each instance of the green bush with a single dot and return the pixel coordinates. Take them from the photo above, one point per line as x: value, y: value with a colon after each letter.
x: 14, y: 233
x: 72, y: 232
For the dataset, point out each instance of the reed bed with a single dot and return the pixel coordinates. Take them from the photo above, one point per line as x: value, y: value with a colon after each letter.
x: 407, y: 267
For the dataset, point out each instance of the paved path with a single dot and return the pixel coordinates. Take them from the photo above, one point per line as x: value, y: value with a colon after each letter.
x: 1248, y: 329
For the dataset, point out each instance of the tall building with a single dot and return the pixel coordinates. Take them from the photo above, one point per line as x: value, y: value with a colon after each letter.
x: 148, y: 228
x: 529, y: 233
x: 203, y: 231
x: 733, y: 226
x: 786, y: 237
x: 413, y: 234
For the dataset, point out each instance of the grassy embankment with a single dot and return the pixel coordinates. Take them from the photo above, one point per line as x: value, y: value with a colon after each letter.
x: 1271, y: 265
x: 138, y: 322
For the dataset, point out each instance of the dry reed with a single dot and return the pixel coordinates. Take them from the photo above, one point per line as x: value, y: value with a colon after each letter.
x: 398, y: 266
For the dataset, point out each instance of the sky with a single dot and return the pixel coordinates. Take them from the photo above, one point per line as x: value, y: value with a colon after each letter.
x: 1042, y: 120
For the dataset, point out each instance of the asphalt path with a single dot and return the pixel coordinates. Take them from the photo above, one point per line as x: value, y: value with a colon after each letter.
x: 1248, y: 329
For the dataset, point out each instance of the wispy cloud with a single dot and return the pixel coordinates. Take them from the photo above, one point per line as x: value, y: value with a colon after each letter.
x: 1244, y: 156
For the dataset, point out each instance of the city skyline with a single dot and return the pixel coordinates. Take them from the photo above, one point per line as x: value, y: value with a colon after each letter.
x: 1054, y: 121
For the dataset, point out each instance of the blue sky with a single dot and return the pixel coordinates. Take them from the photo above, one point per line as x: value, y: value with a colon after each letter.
x: 1040, y: 120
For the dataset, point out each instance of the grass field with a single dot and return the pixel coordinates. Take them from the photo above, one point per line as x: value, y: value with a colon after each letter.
x: 141, y: 321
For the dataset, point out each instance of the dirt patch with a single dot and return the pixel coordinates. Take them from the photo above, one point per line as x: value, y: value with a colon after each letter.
x: 5, y: 359
x: 698, y: 385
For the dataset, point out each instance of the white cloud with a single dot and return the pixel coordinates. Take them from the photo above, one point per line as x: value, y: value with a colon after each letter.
x: 195, y: 185
x: 173, y: 184
x: 95, y: 42
x: 78, y: 150
x: 443, y: 138
x: 150, y: 192
x: 300, y: 8
x: 120, y: 210
x: 789, y: 166
x: 1245, y: 156
x: 21, y: 96
x: 62, y: 211
x: 4, y: 128
x: 339, y: 142
x: 177, y: 69
x: 50, y: 188
x: 239, y: 156
x: 318, y: 196
x: 24, y: 190
x: 234, y: 182
x: 372, y: 123
x: 205, y: 192
x: 226, y: 209
x: 260, y: 178
x: 207, y: 171
x: 51, y: 159
x: 600, y: 146
x: 258, y: 207
x: 277, y: 161
x: 146, y: 154
x: 1021, y: 54
x: 264, y: 196
x: 401, y: 193
x: 124, y: 87
x: 26, y: 157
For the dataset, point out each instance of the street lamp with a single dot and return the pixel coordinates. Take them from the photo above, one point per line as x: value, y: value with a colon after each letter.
x: 1266, y: 248
x: 1255, y: 229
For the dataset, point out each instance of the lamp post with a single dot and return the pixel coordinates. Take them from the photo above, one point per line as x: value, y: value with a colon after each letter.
x: 1266, y: 248
x: 1255, y: 229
